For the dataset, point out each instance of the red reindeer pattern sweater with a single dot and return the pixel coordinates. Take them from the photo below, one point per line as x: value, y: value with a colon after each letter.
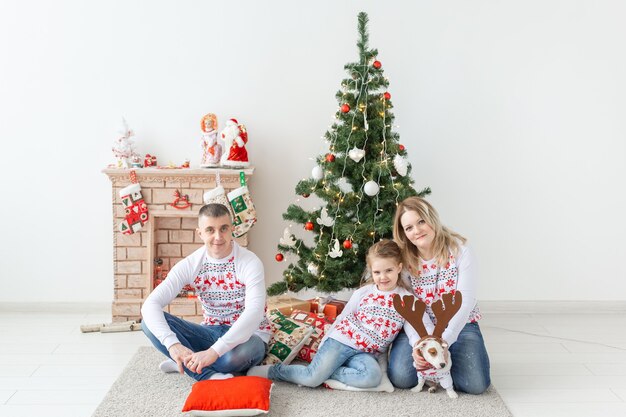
x: 231, y: 290
x: 369, y: 322
x: 459, y: 274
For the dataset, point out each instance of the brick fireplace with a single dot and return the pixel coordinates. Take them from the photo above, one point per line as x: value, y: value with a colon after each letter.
x: 168, y: 235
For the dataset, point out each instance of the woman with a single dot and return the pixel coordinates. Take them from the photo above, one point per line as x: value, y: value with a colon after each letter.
x: 439, y: 262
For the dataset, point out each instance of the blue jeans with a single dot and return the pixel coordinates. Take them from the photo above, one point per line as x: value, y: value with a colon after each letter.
x: 470, y: 362
x: 336, y: 361
x: 198, y: 337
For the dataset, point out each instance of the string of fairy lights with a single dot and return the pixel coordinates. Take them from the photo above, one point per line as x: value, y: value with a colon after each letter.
x: 369, y: 186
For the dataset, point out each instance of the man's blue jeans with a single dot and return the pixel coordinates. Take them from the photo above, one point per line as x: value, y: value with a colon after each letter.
x: 470, y: 362
x: 198, y: 337
x: 336, y: 361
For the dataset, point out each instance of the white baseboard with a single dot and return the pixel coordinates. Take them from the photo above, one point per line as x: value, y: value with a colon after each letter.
x: 70, y: 308
x: 552, y: 307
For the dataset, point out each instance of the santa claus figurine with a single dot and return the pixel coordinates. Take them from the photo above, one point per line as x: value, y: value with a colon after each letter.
x: 235, y: 138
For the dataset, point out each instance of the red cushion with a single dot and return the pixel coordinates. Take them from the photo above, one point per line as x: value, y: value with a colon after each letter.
x: 245, y: 394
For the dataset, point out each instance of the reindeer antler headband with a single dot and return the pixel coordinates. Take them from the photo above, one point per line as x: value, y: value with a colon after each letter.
x: 413, y: 311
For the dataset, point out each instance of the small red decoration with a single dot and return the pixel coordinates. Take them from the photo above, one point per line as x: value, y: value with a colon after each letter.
x: 377, y: 64
x: 347, y: 244
x: 180, y: 201
x: 150, y: 161
x: 279, y: 257
x: 401, y: 147
x: 387, y: 96
x: 306, y: 195
x: 330, y: 157
x: 308, y: 226
x: 345, y: 108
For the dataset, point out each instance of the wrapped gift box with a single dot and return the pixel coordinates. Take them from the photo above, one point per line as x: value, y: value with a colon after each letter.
x: 332, y: 309
x: 321, y: 324
x: 287, y: 305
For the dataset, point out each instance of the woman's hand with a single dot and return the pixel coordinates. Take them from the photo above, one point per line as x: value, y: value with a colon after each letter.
x: 201, y: 360
x: 419, y: 362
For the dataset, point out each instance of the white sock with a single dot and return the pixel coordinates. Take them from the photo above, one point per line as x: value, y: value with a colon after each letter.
x: 262, y: 370
x: 168, y: 366
x: 217, y: 375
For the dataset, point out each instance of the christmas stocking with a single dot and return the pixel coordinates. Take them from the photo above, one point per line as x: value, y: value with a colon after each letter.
x: 135, y: 207
x: 245, y: 214
x: 217, y: 195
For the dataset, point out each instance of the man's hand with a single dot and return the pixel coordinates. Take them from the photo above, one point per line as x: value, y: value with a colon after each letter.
x: 201, y: 360
x: 180, y: 354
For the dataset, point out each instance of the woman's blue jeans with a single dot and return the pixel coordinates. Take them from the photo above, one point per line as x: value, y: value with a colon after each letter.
x: 198, y: 337
x: 336, y: 361
x: 470, y: 362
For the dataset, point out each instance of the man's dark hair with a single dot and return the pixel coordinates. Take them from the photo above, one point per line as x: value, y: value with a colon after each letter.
x: 214, y: 210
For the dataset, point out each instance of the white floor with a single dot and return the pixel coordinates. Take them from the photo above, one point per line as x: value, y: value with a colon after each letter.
x: 543, y: 364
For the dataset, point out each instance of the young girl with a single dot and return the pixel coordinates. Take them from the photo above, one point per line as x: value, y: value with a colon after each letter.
x: 365, y: 328
x: 439, y: 263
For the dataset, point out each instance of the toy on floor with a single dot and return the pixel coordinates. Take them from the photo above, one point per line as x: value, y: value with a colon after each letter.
x: 431, y: 347
x: 123, y: 326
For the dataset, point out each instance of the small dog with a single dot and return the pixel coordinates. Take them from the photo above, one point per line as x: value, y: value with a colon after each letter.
x: 435, y: 351
x: 431, y: 346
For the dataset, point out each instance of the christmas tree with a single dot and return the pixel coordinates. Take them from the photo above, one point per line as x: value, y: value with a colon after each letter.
x: 360, y: 180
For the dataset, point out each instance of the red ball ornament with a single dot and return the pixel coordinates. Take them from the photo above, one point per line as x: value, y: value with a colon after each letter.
x: 347, y: 244
x: 377, y: 64
x: 345, y: 108
x: 279, y: 257
x: 387, y: 96
x: 308, y: 226
x: 330, y: 157
x: 401, y: 147
x: 306, y: 195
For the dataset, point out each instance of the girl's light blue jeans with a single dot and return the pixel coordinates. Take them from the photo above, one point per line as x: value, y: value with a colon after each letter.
x: 198, y: 337
x: 333, y: 360
x: 470, y: 362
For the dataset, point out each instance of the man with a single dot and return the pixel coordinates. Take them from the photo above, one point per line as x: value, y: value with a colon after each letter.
x: 229, y: 282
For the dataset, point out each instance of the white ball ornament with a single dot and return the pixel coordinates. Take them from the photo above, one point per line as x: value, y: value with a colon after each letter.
x: 312, y: 268
x: 317, y: 173
x: 371, y: 188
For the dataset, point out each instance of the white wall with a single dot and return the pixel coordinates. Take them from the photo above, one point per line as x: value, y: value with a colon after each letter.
x: 513, y: 112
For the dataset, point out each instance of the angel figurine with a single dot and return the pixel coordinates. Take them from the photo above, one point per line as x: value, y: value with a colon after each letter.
x: 211, y: 149
x: 335, y: 252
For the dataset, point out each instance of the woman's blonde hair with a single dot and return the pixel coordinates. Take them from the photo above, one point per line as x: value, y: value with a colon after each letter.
x: 444, y: 242
x: 385, y: 248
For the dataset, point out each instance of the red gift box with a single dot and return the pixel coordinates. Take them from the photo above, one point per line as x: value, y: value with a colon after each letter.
x: 331, y: 310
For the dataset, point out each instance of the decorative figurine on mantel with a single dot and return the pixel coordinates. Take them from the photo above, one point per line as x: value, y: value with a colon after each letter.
x: 235, y: 137
x: 123, y: 147
x: 211, y: 149
x: 150, y: 161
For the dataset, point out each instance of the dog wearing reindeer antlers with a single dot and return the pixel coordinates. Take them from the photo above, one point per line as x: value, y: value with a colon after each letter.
x: 431, y: 346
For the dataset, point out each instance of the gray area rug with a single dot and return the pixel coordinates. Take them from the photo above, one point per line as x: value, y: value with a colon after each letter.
x: 143, y: 390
